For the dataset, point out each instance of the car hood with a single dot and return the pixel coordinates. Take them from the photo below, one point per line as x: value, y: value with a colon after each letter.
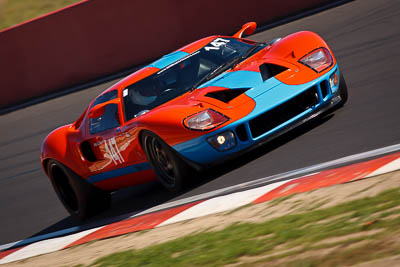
x: 236, y: 87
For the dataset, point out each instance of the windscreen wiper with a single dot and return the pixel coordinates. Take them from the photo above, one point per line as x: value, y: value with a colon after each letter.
x: 248, y: 53
x: 221, y: 68
x: 227, y: 65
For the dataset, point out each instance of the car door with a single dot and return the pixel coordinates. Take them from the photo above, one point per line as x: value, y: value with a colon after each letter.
x: 112, y: 147
x: 104, y: 142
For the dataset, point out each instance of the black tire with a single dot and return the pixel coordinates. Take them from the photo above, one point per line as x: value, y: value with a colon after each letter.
x: 169, y: 168
x: 81, y: 199
x: 343, y: 94
x: 343, y: 90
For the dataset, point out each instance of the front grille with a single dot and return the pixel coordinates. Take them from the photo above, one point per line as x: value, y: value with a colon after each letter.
x: 241, y: 133
x: 324, y: 88
x: 284, y: 112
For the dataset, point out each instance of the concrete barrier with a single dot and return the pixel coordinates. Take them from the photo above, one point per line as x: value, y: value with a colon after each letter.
x: 99, y: 37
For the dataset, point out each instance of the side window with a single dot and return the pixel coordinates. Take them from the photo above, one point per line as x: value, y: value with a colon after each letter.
x: 109, y: 120
x: 105, y: 97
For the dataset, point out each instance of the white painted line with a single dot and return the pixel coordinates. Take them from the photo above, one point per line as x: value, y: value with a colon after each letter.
x: 45, y: 246
x: 222, y: 203
x: 390, y: 167
x: 41, y: 237
x: 199, y: 197
x: 310, y: 174
x: 9, y: 245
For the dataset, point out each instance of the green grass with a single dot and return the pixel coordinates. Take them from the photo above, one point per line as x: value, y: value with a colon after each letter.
x: 300, y: 231
x: 279, y: 200
x: 13, y: 12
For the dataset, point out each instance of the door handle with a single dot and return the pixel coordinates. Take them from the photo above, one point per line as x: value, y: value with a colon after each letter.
x: 97, y: 143
x: 98, y: 140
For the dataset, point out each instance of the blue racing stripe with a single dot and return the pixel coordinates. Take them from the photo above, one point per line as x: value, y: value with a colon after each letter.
x: 168, y: 59
x: 119, y: 172
x: 236, y: 79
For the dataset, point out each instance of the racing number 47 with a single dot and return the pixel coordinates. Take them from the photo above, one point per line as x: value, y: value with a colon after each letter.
x: 215, y: 45
x: 112, y: 149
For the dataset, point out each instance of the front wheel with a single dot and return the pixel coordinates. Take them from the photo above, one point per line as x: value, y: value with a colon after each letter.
x: 168, y: 167
x: 343, y: 95
x: 343, y: 89
x: 81, y: 199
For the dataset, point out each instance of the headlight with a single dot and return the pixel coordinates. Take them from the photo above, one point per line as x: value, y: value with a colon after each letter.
x: 319, y: 59
x: 205, y: 120
x: 222, y: 141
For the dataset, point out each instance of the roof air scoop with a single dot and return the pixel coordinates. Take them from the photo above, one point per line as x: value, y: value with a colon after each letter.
x: 227, y: 95
x: 269, y: 70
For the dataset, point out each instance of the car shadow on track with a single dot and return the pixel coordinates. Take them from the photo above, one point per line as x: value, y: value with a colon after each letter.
x: 130, y: 201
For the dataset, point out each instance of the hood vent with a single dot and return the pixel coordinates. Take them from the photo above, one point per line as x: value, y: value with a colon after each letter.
x: 268, y: 70
x: 227, y: 95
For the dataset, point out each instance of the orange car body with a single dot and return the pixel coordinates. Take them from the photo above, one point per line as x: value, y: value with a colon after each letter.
x: 115, y: 158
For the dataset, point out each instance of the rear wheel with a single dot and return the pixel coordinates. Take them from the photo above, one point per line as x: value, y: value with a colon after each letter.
x: 81, y: 199
x: 169, y: 168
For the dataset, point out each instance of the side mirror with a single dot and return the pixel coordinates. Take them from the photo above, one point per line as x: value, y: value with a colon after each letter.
x: 247, y: 29
x: 97, y: 111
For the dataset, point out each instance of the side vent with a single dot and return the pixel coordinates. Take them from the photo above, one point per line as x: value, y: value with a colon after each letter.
x: 227, y: 95
x: 268, y: 70
x: 87, y: 151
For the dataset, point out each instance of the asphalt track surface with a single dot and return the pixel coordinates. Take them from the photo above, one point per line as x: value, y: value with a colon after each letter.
x: 365, y: 37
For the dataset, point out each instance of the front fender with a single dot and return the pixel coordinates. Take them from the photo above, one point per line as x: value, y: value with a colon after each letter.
x: 291, y: 49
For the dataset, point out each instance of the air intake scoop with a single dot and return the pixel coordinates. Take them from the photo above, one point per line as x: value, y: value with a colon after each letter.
x: 268, y: 70
x: 226, y: 95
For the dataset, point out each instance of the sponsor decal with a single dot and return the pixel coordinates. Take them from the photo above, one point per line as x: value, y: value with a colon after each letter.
x: 113, y: 151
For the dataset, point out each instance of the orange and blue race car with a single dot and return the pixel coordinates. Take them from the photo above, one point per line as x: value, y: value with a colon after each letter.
x: 198, y: 106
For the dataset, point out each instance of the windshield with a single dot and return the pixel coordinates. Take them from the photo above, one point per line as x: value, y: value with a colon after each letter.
x: 185, y: 74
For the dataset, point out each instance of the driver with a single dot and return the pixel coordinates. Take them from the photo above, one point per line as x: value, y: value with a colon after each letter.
x: 139, y: 99
x: 143, y: 94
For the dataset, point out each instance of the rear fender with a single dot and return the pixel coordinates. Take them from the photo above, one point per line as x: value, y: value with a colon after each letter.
x: 59, y: 145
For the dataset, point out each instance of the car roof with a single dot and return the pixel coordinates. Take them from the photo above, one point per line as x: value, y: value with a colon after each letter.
x: 161, y: 63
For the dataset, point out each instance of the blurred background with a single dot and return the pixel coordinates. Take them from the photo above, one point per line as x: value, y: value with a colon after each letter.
x: 13, y: 12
